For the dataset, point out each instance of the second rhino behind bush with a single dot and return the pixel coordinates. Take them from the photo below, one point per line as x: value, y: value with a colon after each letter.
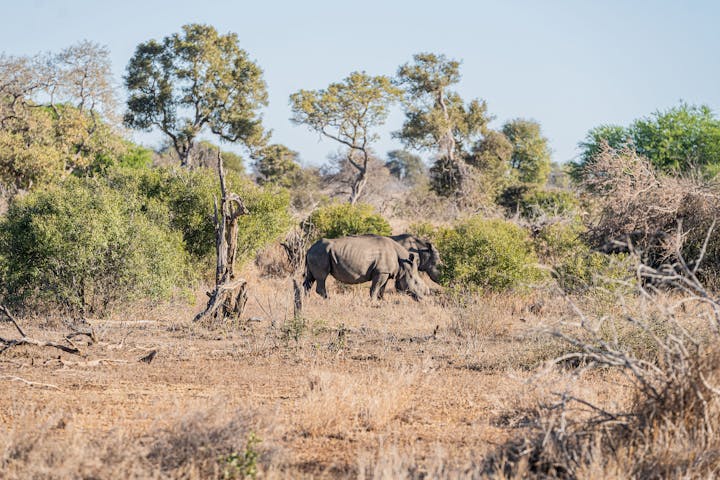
x: 360, y: 259
x: 429, y: 257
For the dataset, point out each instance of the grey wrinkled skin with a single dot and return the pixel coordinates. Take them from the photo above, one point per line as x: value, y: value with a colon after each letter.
x: 429, y: 255
x: 360, y: 259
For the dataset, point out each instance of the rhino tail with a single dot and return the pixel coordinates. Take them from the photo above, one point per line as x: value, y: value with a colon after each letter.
x: 308, y: 278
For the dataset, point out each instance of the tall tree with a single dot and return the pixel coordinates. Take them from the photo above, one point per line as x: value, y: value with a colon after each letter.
x: 437, y: 118
x: 530, y: 157
x: 347, y: 112
x: 194, y: 81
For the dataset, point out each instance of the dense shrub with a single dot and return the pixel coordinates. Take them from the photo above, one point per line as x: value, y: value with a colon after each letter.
x: 655, y: 213
x: 487, y: 254
x: 89, y: 242
x: 82, y: 246
x: 189, y: 198
x: 340, y: 219
x: 575, y: 266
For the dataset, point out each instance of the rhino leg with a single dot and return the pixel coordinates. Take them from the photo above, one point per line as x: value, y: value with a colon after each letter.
x: 320, y: 288
x: 379, y: 280
x: 309, y: 280
x: 381, y: 292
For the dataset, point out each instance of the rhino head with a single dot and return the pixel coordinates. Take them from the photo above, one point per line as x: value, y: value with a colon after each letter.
x: 430, y: 261
x: 408, y: 279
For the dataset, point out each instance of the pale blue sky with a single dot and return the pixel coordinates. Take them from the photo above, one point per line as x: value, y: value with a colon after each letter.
x: 571, y: 65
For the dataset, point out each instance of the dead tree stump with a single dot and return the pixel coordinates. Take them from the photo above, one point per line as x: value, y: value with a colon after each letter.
x: 228, y: 299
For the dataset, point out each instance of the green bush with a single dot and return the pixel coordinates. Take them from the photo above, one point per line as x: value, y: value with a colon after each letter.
x: 133, y: 233
x: 189, y: 198
x: 340, y: 219
x: 487, y: 254
x: 83, y: 246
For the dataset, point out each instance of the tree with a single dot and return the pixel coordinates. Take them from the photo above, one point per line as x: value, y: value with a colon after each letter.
x: 278, y: 164
x: 195, y: 81
x: 57, y: 116
x: 530, y: 155
x: 675, y: 140
x: 437, y: 118
x: 347, y: 112
x: 405, y: 166
x: 229, y: 297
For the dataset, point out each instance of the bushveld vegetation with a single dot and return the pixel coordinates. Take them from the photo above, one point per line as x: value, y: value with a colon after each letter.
x: 574, y: 333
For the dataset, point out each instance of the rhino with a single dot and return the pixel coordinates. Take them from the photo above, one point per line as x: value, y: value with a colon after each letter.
x: 429, y: 255
x: 360, y: 259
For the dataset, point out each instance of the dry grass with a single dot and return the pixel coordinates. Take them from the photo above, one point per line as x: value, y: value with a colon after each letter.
x: 398, y: 389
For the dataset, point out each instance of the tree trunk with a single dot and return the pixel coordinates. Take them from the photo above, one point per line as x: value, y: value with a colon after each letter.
x: 360, y: 178
x: 230, y: 295
x: 456, y: 170
x: 358, y: 186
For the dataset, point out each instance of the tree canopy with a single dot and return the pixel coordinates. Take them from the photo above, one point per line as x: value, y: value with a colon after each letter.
x: 437, y: 119
x: 57, y: 116
x: 279, y: 165
x: 194, y: 81
x: 347, y: 112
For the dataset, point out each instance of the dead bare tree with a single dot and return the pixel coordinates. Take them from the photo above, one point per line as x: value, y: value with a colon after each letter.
x: 230, y: 295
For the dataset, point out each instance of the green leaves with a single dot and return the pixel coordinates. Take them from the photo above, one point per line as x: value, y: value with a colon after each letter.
x: 278, y: 164
x: 676, y: 140
x: 437, y: 118
x: 531, y: 155
x: 83, y: 246
x: 496, y: 255
x: 346, y: 111
x: 193, y: 81
x: 341, y: 219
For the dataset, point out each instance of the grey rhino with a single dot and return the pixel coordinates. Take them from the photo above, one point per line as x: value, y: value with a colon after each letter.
x: 360, y: 259
x: 429, y: 255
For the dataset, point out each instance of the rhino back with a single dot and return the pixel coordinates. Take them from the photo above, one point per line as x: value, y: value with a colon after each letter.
x: 356, y: 259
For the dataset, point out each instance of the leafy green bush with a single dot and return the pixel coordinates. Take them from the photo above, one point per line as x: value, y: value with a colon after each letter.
x: 340, y: 219
x: 90, y: 242
x: 189, y: 198
x: 487, y: 254
x: 132, y: 156
x: 83, y: 246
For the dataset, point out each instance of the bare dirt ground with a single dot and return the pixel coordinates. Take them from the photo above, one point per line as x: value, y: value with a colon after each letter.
x: 353, y: 390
